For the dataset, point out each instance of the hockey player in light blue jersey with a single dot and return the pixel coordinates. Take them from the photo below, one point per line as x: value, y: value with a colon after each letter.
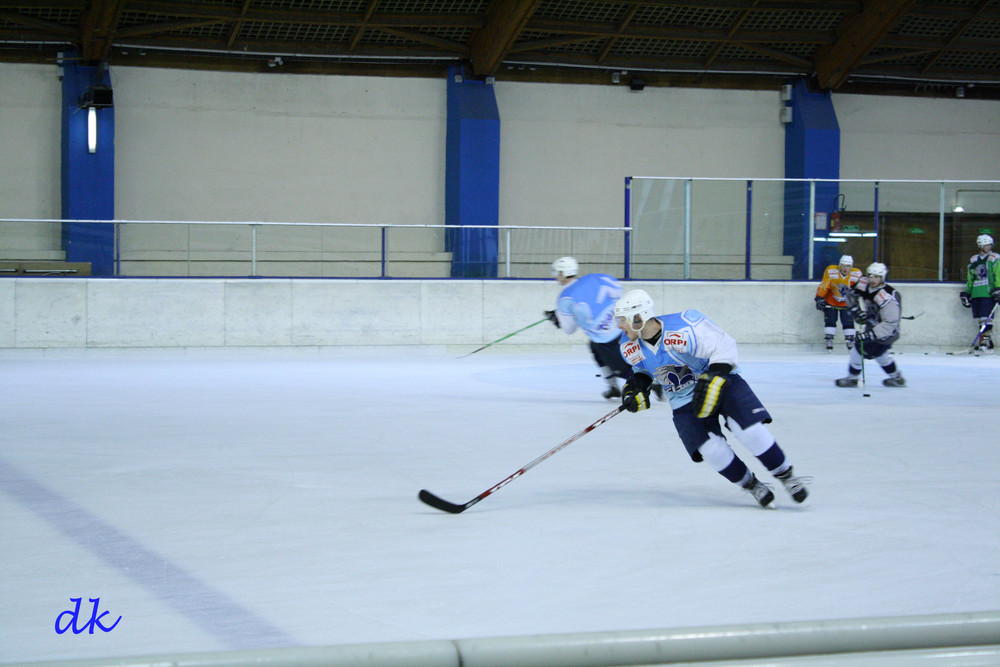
x: 697, y: 364
x: 587, y: 303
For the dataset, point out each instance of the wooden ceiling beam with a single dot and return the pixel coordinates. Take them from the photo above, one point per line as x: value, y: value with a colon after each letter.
x: 610, y: 43
x: 97, y: 26
x: 46, y: 27
x: 857, y: 35
x: 955, y: 34
x: 360, y: 30
x: 234, y: 30
x: 307, y: 17
x: 729, y: 33
x: 504, y: 21
x: 156, y: 28
x: 606, y: 30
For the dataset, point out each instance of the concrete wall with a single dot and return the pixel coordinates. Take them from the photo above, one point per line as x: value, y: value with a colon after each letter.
x: 916, y: 138
x: 170, y: 313
x: 193, y: 145
x: 30, y: 161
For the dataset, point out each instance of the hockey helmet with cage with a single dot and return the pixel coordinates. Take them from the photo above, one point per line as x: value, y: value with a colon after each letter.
x: 636, y: 308
x: 878, y: 269
x: 984, y: 239
x: 566, y: 266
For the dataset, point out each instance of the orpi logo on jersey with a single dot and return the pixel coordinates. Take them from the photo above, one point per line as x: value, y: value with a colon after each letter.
x: 675, y: 340
x: 632, y: 352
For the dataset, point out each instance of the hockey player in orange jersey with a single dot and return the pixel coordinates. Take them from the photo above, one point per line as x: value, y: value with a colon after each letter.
x: 831, y: 299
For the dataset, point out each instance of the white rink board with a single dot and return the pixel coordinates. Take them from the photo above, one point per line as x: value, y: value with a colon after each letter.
x: 176, y: 312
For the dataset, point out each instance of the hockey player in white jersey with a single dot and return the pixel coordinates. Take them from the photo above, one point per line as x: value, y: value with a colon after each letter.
x: 698, y: 366
x: 587, y: 303
x: 875, y: 304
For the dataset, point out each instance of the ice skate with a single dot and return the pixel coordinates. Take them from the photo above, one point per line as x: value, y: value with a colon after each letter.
x: 986, y: 344
x: 849, y: 342
x: 829, y: 343
x: 796, y: 486
x: 894, y: 381
x: 612, y: 391
x: 760, y: 491
x: 849, y: 381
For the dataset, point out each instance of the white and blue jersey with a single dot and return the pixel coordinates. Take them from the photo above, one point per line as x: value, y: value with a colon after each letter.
x: 688, y: 344
x: 588, y: 303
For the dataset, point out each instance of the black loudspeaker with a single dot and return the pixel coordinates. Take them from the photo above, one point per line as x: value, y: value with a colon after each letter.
x: 99, y: 97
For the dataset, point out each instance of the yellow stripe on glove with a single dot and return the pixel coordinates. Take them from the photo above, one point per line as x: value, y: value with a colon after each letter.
x: 635, y: 393
x: 708, y: 394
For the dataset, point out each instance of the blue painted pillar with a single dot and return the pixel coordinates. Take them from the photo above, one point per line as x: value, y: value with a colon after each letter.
x: 472, y: 176
x: 88, y: 179
x: 812, y: 150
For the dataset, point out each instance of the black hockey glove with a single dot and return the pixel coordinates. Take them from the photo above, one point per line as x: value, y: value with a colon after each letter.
x: 551, y: 314
x: 820, y: 303
x: 996, y: 294
x: 865, y: 337
x: 861, y: 316
x: 708, y: 390
x: 635, y: 393
x: 966, y: 301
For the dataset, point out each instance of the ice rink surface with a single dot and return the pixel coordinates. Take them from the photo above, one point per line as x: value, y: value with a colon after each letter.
x: 252, y: 499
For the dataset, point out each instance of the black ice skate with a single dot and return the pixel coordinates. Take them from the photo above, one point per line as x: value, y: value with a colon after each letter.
x: 849, y: 342
x: 760, y: 491
x: 829, y: 343
x: 612, y: 391
x: 796, y: 486
x: 894, y: 381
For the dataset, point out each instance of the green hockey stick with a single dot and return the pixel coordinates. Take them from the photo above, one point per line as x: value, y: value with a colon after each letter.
x: 533, y: 324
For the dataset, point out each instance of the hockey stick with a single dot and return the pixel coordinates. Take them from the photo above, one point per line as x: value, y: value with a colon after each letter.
x: 864, y: 390
x: 982, y: 329
x: 533, y: 324
x: 443, y: 505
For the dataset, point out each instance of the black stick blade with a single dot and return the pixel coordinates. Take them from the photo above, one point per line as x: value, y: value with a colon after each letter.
x: 439, y: 503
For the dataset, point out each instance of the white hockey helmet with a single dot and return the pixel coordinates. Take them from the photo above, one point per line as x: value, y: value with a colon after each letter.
x: 566, y: 266
x: 984, y: 239
x: 846, y: 260
x: 636, y: 308
x: 878, y: 269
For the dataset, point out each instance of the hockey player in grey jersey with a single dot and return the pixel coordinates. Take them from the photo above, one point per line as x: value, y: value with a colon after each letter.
x: 875, y: 304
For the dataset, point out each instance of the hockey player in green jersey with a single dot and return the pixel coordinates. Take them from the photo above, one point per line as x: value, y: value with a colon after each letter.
x: 981, y: 288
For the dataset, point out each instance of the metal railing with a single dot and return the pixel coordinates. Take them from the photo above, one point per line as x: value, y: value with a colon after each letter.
x: 674, y: 229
